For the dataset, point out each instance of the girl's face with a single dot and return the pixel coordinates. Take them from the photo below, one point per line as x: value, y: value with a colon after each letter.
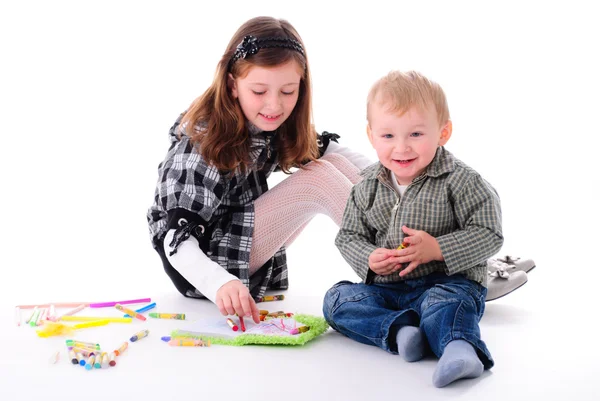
x: 268, y: 96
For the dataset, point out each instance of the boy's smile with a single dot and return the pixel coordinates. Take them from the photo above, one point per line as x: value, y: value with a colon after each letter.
x: 406, y: 143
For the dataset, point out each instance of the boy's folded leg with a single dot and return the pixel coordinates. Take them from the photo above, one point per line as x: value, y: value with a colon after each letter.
x: 362, y: 313
x: 411, y: 343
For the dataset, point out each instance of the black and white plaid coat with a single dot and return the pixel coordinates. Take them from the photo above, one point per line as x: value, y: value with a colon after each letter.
x: 217, y: 208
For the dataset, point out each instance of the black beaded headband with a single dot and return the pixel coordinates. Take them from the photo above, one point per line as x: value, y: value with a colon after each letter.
x: 251, y: 45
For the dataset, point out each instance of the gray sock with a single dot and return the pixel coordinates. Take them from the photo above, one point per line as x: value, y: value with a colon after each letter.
x: 411, y: 344
x: 459, y: 361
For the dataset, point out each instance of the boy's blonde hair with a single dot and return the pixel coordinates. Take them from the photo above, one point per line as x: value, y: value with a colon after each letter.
x: 400, y: 91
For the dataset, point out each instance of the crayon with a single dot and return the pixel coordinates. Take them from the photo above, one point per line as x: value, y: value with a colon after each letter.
x: 130, y: 312
x: 189, y: 343
x: 242, y: 325
x: 73, y: 357
x: 268, y: 298
x: 232, y: 325
x: 143, y: 309
x: 403, y: 245
x: 72, y: 343
x: 301, y: 329
x: 139, y: 335
x: 166, y: 338
x: 121, y: 349
x: 176, y: 316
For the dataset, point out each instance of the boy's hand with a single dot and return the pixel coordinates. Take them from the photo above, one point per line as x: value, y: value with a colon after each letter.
x: 384, y: 261
x: 423, y: 248
x: 233, y: 297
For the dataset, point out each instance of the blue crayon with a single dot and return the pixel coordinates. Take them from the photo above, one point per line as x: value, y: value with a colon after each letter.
x: 82, y: 362
x: 166, y: 338
x: 144, y: 308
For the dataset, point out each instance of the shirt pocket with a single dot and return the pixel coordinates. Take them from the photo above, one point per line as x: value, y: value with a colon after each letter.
x: 434, y: 216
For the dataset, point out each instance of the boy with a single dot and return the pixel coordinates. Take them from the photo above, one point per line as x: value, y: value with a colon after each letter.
x: 419, y: 197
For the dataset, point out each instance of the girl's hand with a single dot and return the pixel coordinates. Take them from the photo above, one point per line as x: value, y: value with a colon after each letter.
x: 384, y: 261
x: 423, y: 248
x: 233, y: 297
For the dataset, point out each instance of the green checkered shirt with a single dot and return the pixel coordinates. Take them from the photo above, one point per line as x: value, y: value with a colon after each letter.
x: 450, y: 201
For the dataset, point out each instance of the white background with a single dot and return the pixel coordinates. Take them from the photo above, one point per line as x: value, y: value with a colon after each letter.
x: 88, y: 91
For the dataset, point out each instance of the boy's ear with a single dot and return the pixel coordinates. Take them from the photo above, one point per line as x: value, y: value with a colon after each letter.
x: 369, y: 133
x: 232, y: 85
x: 446, y: 133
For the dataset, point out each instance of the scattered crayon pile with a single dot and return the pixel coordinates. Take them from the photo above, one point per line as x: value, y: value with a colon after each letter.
x: 90, y: 355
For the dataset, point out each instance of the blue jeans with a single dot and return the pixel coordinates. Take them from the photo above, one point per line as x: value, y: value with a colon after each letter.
x: 445, y: 308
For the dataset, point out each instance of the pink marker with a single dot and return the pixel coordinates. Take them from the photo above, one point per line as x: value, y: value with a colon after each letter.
x: 109, y: 304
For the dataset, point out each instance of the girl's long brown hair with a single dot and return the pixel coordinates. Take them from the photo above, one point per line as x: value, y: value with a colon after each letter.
x: 215, y: 121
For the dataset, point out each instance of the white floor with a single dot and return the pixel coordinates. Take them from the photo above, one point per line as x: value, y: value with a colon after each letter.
x: 89, y: 92
x: 541, y: 348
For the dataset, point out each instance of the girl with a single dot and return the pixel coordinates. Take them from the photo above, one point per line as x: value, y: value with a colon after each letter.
x: 218, y: 231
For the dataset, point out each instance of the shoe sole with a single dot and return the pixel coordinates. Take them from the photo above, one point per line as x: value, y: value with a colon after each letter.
x: 503, y: 295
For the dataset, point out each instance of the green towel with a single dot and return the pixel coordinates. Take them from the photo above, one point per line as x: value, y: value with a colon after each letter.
x: 317, y: 325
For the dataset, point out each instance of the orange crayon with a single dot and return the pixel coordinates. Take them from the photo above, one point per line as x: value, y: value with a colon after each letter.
x: 130, y: 312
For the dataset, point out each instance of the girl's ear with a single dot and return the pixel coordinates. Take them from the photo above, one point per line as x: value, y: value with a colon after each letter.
x: 446, y: 133
x: 232, y: 85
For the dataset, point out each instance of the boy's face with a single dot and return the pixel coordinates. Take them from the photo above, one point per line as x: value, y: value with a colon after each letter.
x: 268, y: 96
x: 406, y: 144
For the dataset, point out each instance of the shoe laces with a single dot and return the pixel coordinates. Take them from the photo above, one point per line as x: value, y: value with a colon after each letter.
x: 511, y: 260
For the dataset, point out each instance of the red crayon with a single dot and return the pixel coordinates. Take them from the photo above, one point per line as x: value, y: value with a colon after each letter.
x: 232, y: 325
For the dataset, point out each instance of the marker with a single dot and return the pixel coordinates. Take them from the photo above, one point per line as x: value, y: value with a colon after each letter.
x: 268, y: 298
x: 73, y: 357
x: 131, y: 301
x: 232, y: 325
x: 130, y: 312
x: 177, y: 316
x: 139, y: 335
x: 111, y: 359
x: 90, y: 362
x: 143, y: 309
x: 104, y: 358
x: 93, y: 323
